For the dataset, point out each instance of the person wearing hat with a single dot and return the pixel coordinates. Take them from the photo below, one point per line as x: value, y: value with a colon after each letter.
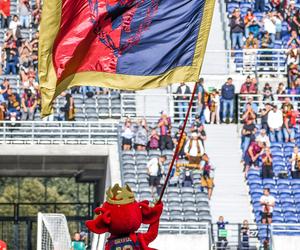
x: 194, y: 150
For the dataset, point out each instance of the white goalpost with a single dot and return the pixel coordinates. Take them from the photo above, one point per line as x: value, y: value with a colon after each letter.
x: 52, y: 232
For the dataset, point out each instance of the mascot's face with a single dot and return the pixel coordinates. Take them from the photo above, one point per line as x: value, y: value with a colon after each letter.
x: 122, y: 219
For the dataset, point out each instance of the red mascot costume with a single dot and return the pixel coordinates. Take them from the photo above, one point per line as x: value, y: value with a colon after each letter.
x: 122, y: 216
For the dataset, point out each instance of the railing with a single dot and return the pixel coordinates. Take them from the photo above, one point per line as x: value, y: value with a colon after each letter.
x: 259, y: 101
x: 181, y: 228
x: 261, y: 61
x: 166, y: 102
x: 285, y: 229
x: 44, y: 132
x: 232, y: 238
x: 246, y: 61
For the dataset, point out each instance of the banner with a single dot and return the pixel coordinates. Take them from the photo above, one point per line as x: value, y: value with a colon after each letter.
x: 121, y: 44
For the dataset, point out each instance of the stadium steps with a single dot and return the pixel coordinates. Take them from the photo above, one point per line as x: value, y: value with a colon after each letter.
x: 216, y: 42
x: 230, y: 197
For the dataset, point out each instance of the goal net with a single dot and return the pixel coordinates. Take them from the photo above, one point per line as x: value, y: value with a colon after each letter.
x: 53, y: 232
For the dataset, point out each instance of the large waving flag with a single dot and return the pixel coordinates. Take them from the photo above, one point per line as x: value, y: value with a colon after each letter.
x: 122, y: 44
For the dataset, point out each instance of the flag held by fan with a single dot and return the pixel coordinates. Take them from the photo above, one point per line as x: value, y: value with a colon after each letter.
x: 121, y: 44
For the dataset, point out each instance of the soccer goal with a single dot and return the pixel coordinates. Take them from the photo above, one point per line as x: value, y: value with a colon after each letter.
x: 53, y: 232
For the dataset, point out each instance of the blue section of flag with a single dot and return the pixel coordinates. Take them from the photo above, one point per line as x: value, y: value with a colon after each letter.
x: 169, y: 42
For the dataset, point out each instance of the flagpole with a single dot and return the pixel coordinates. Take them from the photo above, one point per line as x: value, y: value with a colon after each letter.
x: 178, y: 144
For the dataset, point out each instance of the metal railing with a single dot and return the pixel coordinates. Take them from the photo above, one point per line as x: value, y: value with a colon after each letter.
x: 259, y: 102
x: 181, y: 228
x: 57, y: 132
x: 260, y: 61
x: 167, y: 102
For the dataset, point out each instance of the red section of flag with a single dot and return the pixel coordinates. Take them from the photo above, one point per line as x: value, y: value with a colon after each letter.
x: 77, y: 47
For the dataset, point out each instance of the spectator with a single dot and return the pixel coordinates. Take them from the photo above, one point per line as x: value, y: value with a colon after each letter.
x: 215, y: 107
x: 228, y: 92
x: 222, y: 234
x: 127, y: 135
x: 295, y: 161
x: 248, y: 87
x: 11, y: 58
x: 187, y: 181
x: 270, y: 26
x: 289, y: 124
x: 275, y: 122
x: 3, y: 89
x: 263, y: 137
x: 296, y: 22
x: 293, y: 39
x: 165, y: 139
x: 237, y: 30
x: 182, y: 92
x: 293, y: 60
x: 5, y: 13
x: 3, y: 111
x: 14, y: 25
x: 13, y: 105
x: 245, y: 235
x: 29, y: 104
x: 268, y: 203
x: 252, y: 154
x: 251, y: 43
x: 141, y: 135
x: 154, y: 139
x: 264, y: 116
x: 69, y: 107
x: 201, y: 99
x: 36, y: 15
x: 25, y: 59
x: 281, y: 89
x: 267, y: 164
x: 277, y: 18
x: 249, y: 113
x: 267, y: 93
x: 155, y: 171
x: 287, y: 106
x: 77, y: 243
x: 207, y: 178
x: 259, y: 6
x: 251, y: 24
x: 253, y: 105
x: 181, y: 153
x: 266, y: 42
x: 24, y: 11
x: 248, y: 134
x: 194, y: 150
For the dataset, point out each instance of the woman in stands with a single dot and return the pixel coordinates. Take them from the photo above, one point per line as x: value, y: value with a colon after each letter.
x: 127, y: 135
x: 295, y: 161
x: 267, y: 164
x: 141, y: 135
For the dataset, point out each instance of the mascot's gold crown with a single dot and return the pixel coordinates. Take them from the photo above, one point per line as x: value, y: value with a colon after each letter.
x: 117, y: 195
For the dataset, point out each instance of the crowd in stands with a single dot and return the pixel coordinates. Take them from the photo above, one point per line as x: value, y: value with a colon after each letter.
x: 267, y: 25
x: 161, y: 136
x: 278, y: 124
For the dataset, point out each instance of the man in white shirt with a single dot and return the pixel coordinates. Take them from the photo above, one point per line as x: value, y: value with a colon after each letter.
x: 263, y: 137
x: 270, y: 25
x: 155, y: 171
x: 267, y: 202
x: 194, y: 150
x: 275, y: 122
